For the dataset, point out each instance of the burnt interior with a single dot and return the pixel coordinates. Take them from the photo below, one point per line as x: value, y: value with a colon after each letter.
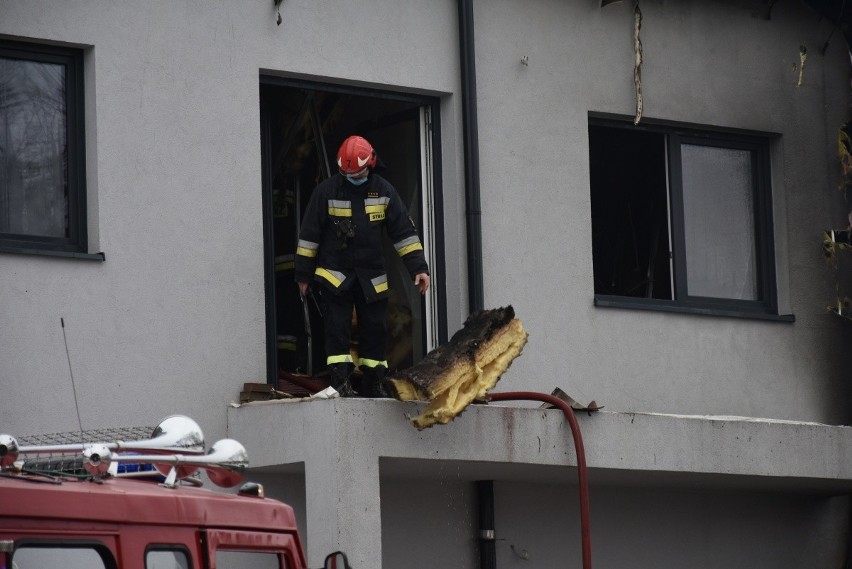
x: 630, y: 220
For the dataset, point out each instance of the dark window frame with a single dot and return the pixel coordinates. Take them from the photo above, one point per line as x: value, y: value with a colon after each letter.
x: 759, y: 146
x: 75, y: 243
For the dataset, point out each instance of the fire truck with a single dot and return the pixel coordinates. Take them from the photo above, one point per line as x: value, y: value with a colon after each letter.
x: 140, y: 505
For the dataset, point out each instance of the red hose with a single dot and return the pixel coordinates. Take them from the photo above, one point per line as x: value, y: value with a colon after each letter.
x: 581, y: 458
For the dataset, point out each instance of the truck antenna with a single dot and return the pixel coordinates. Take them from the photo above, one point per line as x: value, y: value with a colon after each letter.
x: 71, y: 372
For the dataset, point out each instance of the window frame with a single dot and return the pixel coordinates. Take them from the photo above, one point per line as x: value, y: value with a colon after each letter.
x: 759, y: 146
x: 75, y: 244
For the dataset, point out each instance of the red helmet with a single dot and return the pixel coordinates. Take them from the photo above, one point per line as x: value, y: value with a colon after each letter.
x: 355, y: 155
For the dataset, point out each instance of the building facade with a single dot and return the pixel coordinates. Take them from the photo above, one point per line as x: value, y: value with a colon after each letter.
x: 665, y: 258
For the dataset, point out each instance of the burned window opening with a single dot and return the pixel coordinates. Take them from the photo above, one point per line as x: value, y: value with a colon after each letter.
x: 681, y: 218
x: 629, y: 213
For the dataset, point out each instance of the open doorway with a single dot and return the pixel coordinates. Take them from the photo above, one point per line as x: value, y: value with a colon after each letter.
x: 302, y: 126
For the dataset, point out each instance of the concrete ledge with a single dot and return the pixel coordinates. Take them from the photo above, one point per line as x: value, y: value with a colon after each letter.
x: 501, y: 441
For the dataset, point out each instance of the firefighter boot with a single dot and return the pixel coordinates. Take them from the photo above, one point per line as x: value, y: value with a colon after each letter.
x: 372, y: 384
x: 340, y: 379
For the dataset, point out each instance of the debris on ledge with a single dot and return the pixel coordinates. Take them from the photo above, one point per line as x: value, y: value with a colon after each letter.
x: 452, y: 376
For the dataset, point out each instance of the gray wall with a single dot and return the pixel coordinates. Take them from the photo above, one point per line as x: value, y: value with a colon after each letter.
x: 666, y: 528
x: 428, y: 523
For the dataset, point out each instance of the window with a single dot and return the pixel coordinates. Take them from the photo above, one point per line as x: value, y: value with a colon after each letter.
x: 42, y: 172
x: 166, y: 559
x: 57, y: 556
x: 681, y: 219
x: 246, y: 559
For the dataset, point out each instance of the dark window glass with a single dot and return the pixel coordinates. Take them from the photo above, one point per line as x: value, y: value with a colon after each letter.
x: 42, y: 194
x: 681, y: 218
x: 630, y: 224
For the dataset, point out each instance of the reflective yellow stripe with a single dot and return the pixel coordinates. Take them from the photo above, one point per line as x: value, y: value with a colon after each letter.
x: 406, y: 250
x: 284, y: 262
x: 375, y: 208
x: 333, y: 277
x: 340, y: 208
x: 408, y: 245
x: 307, y: 248
x: 286, y: 342
x: 380, y: 283
x: 341, y: 359
x: 364, y: 362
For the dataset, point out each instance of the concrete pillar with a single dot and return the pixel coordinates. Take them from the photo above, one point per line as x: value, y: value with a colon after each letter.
x: 342, y: 493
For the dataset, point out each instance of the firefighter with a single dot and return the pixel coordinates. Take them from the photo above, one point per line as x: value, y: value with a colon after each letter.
x: 340, y: 249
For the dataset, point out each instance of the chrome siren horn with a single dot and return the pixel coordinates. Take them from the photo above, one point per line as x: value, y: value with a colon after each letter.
x: 224, y: 464
x: 176, y: 433
x: 231, y: 460
x: 97, y: 459
x: 8, y: 451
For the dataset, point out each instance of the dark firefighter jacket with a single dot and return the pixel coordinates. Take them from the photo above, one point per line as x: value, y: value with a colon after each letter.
x: 340, y: 242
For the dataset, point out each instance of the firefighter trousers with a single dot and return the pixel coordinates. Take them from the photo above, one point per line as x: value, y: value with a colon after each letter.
x: 372, y: 328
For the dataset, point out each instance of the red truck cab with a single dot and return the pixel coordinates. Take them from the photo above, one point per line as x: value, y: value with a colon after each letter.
x: 106, y: 521
x: 136, y: 524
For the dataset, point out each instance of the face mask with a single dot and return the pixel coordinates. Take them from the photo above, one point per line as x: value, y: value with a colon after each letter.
x: 357, y: 181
